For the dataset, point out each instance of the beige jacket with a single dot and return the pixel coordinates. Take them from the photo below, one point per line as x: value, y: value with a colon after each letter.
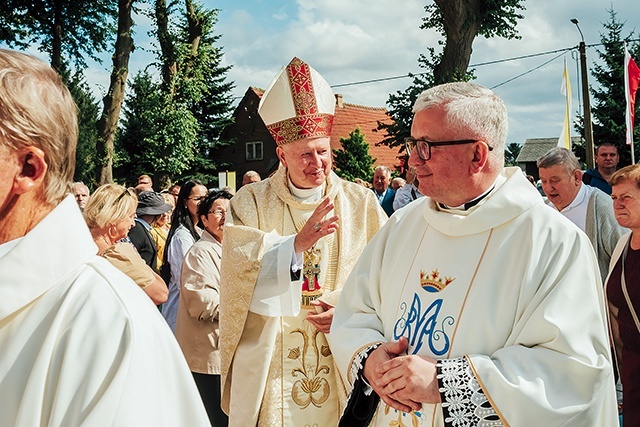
x: 197, y: 328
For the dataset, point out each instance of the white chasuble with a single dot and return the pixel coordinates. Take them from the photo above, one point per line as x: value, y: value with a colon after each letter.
x: 505, y: 296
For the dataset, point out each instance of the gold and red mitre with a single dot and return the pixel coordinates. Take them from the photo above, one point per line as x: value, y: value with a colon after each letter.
x: 298, y: 104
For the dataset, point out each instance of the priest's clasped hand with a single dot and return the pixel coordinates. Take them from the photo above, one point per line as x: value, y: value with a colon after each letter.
x: 402, y: 381
x: 316, y: 227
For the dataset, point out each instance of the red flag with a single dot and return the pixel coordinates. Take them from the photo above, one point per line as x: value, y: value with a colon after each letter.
x: 631, y: 80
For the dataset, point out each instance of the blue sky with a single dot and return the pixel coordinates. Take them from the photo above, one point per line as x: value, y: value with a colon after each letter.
x: 356, y: 40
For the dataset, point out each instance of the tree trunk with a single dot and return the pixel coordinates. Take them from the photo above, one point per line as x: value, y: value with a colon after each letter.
x: 169, y: 61
x: 112, y: 101
x: 195, y: 28
x: 56, y: 37
x: 461, y: 21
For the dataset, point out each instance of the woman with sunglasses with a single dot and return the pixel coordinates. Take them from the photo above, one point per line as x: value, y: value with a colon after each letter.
x: 109, y: 214
x: 183, y: 234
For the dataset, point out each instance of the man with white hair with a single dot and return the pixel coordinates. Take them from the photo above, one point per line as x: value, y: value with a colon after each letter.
x: 289, y: 243
x: 81, y: 344
x: 477, y: 304
x: 81, y: 193
x: 590, y: 208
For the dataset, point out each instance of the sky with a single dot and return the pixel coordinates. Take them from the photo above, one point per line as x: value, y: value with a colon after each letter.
x: 351, y: 41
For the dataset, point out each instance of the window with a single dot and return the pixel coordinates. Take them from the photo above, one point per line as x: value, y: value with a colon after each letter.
x: 254, y: 150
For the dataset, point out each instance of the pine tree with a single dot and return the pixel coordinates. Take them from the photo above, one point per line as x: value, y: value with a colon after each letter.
x: 353, y: 160
x: 608, y: 105
x: 511, y: 153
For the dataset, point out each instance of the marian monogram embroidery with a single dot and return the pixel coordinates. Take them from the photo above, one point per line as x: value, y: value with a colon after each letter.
x: 420, y: 325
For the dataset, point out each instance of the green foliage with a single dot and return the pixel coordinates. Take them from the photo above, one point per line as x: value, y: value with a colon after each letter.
x: 608, y: 105
x: 353, y: 160
x: 498, y: 18
x: 158, y: 135
x: 478, y: 17
x: 88, y: 113
x: 172, y: 131
x: 511, y: 153
x: 67, y: 29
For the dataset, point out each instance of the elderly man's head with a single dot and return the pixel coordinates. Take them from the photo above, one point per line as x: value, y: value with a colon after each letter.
x: 38, y: 136
x: 381, y: 179
x: 81, y: 193
x: 457, y: 141
x: 250, y: 177
x: 308, y: 161
x: 560, y: 176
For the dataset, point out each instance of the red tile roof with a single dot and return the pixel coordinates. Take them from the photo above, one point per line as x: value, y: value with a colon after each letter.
x: 349, y: 116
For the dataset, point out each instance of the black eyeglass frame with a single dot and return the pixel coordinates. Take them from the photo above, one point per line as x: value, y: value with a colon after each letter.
x: 411, y: 143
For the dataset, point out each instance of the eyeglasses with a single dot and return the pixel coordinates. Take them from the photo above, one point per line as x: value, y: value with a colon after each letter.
x: 126, y: 191
x: 218, y: 212
x: 424, y: 146
x: 197, y: 199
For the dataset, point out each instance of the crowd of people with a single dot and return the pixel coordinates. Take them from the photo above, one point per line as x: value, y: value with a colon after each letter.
x: 455, y: 296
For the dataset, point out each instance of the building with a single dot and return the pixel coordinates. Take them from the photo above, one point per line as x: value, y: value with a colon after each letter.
x: 533, y: 149
x: 254, y: 149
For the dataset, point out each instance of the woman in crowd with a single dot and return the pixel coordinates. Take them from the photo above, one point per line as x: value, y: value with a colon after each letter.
x: 623, y: 289
x: 160, y: 228
x: 183, y: 234
x: 109, y: 214
x: 197, y: 323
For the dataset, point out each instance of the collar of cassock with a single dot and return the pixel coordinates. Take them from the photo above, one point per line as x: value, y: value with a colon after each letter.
x: 469, y: 204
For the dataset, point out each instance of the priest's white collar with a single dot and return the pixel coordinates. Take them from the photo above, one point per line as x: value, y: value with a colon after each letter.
x: 306, y: 194
x: 471, y: 203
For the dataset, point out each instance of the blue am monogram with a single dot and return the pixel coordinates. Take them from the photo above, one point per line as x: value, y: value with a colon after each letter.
x: 420, y: 326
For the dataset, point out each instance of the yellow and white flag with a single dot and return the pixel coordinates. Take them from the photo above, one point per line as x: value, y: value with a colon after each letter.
x: 565, y: 138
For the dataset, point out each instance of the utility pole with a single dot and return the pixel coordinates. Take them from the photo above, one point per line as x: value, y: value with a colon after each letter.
x: 586, y: 115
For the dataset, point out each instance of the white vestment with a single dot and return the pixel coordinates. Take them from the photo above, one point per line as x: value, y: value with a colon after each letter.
x: 80, y: 343
x: 507, y: 296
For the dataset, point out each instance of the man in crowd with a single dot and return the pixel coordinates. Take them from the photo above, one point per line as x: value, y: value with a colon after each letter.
x: 144, y: 184
x: 81, y: 194
x: 76, y: 334
x: 385, y: 195
x: 289, y: 243
x: 150, y: 206
x: 587, y: 207
x: 250, y: 177
x: 477, y: 304
x: 397, y: 183
x: 408, y: 192
x: 607, y: 159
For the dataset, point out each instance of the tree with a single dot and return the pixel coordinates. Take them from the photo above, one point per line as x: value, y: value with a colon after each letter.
x: 609, y: 103
x: 88, y: 111
x: 459, y: 22
x: 511, y: 153
x: 353, y: 160
x: 112, y: 101
x: 171, y: 128
x: 66, y: 30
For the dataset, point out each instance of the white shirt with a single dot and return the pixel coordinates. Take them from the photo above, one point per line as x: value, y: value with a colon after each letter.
x: 576, y: 211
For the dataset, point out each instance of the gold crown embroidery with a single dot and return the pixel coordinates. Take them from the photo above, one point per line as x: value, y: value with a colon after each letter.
x: 434, y: 282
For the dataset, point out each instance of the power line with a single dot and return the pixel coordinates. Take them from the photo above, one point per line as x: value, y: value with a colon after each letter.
x: 480, y: 64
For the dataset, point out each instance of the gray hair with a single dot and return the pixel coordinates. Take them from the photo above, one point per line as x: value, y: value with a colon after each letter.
x: 385, y: 169
x: 471, y: 109
x: 559, y: 156
x: 37, y: 110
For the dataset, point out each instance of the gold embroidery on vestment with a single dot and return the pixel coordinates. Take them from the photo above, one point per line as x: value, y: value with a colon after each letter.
x: 312, y: 388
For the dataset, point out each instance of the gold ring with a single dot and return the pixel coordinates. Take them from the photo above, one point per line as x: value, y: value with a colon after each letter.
x: 316, y: 226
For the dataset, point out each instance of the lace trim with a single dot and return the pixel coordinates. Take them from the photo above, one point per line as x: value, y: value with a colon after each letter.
x: 357, y: 367
x: 463, y: 400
